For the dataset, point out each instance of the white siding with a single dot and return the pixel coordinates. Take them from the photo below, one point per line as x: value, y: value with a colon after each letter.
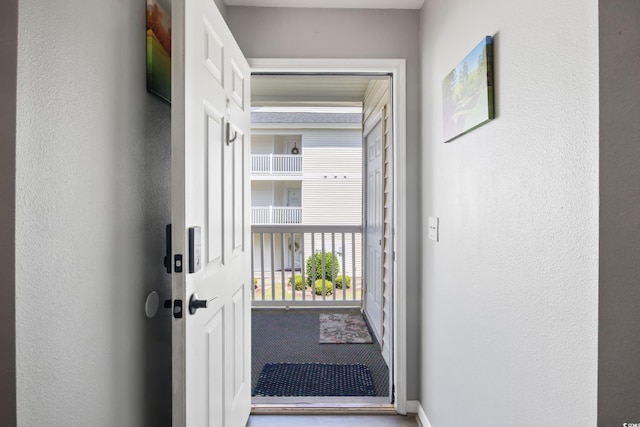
x: 332, y: 184
x: 320, y: 138
x: 375, y: 98
x: 387, y: 263
x: 332, y: 201
x: 332, y: 162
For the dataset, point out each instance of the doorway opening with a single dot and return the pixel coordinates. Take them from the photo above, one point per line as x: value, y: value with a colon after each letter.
x: 328, y: 251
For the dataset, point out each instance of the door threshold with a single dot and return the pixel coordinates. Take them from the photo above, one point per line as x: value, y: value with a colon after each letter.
x: 321, y: 405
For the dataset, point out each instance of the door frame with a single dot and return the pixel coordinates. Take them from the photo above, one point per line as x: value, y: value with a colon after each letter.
x: 397, y: 69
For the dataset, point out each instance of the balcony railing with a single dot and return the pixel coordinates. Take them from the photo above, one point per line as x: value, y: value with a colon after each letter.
x: 263, y: 215
x: 282, y: 277
x: 276, y: 164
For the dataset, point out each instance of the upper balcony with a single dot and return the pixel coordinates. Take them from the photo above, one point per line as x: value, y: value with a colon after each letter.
x: 276, y: 166
x: 264, y: 215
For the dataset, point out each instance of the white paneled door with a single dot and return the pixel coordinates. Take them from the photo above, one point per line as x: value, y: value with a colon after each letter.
x: 210, y: 216
x: 373, y: 235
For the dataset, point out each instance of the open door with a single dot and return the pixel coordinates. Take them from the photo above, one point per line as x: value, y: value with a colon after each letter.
x: 378, y: 183
x: 210, y: 198
x: 373, y: 232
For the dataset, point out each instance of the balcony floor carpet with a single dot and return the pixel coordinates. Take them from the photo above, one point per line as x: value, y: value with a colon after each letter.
x: 291, y: 336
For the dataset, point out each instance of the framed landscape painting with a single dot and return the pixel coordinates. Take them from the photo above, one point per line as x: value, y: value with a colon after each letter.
x: 467, y: 92
x: 159, y: 49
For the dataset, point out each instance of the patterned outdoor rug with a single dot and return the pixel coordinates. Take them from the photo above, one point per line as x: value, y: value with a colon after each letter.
x: 314, y: 379
x: 343, y: 329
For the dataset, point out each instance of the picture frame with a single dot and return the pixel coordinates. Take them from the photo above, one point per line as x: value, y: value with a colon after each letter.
x: 159, y: 49
x: 468, y: 92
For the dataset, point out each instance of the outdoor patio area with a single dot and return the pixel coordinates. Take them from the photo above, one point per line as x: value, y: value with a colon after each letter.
x: 293, y: 336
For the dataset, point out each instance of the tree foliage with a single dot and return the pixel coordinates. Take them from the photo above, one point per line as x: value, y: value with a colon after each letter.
x: 315, y: 268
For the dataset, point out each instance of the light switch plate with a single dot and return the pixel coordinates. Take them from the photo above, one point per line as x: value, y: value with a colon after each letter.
x: 434, y: 229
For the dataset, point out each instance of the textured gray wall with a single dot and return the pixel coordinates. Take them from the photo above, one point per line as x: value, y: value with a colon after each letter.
x: 92, y: 200
x: 8, y: 53
x: 619, y: 335
x: 156, y: 187
x: 510, y: 292
x: 348, y: 33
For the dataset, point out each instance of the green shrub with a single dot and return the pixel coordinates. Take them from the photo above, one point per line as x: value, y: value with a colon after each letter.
x: 298, y: 282
x: 338, y: 281
x: 331, y: 267
x: 255, y: 282
x: 328, y: 287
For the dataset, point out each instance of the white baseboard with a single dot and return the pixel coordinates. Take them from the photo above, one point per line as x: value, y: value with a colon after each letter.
x: 412, y: 406
x: 415, y: 407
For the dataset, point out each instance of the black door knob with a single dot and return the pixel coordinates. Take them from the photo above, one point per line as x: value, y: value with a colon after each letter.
x: 195, y: 303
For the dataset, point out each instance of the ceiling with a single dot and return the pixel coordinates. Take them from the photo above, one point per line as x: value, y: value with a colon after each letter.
x: 343, y: 4
x: 300, y: 90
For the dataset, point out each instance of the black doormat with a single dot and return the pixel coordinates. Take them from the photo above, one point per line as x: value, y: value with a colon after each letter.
x: 314, y: 379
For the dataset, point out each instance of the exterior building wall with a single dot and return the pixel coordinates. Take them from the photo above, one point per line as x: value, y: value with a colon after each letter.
x: 261, y: 144
x: 262, y: 193
x: 332, y: 184
x: 332, y: 174
x: 331, y: 194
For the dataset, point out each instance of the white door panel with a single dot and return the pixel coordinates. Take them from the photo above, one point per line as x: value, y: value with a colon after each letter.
x: 214, y: 174
x: 210, y: 92
x: 238, y: 190
x: 373, y: 273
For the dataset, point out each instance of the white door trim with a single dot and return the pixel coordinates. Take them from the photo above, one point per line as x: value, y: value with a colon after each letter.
x: 396, y: 68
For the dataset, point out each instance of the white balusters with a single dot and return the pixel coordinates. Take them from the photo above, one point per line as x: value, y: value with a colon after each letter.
x: 276, y: 164
x: 281, y: 253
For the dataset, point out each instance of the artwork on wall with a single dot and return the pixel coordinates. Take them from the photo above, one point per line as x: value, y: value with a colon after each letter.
x: 467, y: 92
x: 158, y: 50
